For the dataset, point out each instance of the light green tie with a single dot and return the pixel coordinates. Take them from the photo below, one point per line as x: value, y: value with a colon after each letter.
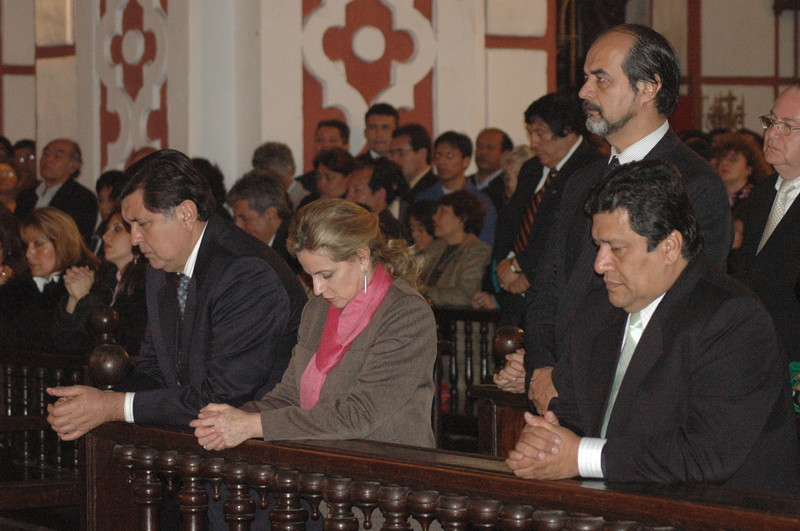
x: 632, y: 336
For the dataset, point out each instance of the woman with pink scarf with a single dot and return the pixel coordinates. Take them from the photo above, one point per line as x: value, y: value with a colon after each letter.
x: 363, y: 364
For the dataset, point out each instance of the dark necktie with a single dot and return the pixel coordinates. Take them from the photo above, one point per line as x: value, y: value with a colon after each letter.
x: 526, y: 226
x: 613, y: 164
x: 182, y: 291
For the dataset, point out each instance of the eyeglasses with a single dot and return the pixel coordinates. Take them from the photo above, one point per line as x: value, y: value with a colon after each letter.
x: 781, y: 127
x: 447, y: 155
x: 23, y: 158
x: 7, y: 173
x: 399, y: 152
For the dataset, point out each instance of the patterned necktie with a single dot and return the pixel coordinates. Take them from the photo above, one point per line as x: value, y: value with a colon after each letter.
x: 613, y: 164
x: 632, y: 336
x: 526, y: 226
x: 778, y: 210
x: 182, y: 291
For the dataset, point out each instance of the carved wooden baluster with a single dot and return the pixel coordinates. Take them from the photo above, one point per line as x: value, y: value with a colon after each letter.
x: 660, y: 528
x: 168, y: 466
x: 71, y: 447
x: 311, y: 489
x: 27, y: 449
x: 451, y: 327
x: 41, y: 407
x: 60, y: 447
x: 516, y: 517
x: 212, y: 472
x: 622, y: 525
x: 469, y: 376
x: 288, y: 514
x: 393, y: 501
x: 239, y: 507
x: 8, y: 392
x: 123, y: 458
x: 365, y: 497
x: 147, y: 488
x: 422, y: 504
x: 193, y: 497
x: 451, y: 511
x: 486, y: 374
x: 483, y: 514
x: 585, y: 523
x: 258, y: 477
x: 554, y: 520
x: 336, y: 492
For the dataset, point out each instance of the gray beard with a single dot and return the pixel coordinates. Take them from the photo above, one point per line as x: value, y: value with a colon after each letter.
x: 603, y: 127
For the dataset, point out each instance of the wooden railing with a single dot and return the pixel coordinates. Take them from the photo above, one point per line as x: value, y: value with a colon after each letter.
x: 131, y: 470
x: 37, y: 468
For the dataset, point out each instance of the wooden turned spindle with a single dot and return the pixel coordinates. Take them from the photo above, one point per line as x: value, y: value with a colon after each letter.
x: 109, y: 365
x: 554, y: 520
x: 167, y: 464
x: 123, y: 458
x: 422, y: 504
x: 451, y: 511
x: 104, y: 321
x: 336, y: 492
x: 192, y: 497
x: 239, y: 507
x: 393, y: 501
x: 515, y: 517
x: 211, y: 468
x: 258, y: 477
x: 483, y: 514
x: 622, y: 525
x: 288, y: 514
x: 585, y: 523
x: 365, y: 496
x: 147, y: 488
x: 311, y: 489
x: 507, y: 340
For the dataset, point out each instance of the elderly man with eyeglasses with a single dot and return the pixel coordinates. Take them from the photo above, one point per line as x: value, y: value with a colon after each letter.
x: 769, y: 258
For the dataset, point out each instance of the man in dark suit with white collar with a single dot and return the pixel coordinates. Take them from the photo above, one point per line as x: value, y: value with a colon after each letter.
x: 631, y: 87
x: 59, y: 166
x: 223, y: 308
x: 769, y: 259
x: 680, y: 380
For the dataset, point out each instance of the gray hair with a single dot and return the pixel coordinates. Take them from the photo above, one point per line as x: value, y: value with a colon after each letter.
x: 261, y: 188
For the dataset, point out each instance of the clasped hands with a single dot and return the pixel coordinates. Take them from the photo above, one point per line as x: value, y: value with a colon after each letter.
x: 512, y: 282
x: 220, y: 426
x: 545, y: 449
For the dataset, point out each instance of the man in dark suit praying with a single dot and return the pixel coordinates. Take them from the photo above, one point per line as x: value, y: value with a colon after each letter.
x: 223, y: 308
x: 680, y: 380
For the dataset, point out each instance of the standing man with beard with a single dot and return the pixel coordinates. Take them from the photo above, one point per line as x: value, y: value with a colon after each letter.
x: 631, y: 87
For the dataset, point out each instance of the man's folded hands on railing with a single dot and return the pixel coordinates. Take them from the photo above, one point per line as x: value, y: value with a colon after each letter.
x: 81, y: 408
x: 545, y: 450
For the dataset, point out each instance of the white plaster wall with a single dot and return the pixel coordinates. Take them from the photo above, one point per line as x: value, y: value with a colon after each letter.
x: 515, y: 79
x: 516, y: 18
x: 56, y: 101
x: 787, y: 45
x: 246, y: 86
x: 17, y: 32
x: 281, y: 83
x: 738, y: 38
x: 669, y: 19
x: 19, y: 107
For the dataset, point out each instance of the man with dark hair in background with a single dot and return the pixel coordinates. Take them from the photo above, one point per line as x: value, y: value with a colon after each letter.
x: 491, y: 147
x: 411, y: 149
x: 380, y: 121
x: 222, y: 308
x: 328, y: 135
x: 679, y: 379
x: 24, y: 162
x: 375, y: 186
x: 59, y: 168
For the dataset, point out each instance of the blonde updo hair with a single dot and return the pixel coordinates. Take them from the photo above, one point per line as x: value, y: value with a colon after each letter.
x: 339, y: 228
x: 61, y: 230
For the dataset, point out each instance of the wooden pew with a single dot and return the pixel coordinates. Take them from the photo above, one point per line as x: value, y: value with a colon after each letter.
x: 132, y: 469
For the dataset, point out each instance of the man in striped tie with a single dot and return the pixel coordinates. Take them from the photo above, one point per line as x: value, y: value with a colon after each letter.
x: 680, y: 380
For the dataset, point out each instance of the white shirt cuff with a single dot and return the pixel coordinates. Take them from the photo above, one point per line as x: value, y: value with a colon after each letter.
x: 590, y: 457
x: 129, y: 407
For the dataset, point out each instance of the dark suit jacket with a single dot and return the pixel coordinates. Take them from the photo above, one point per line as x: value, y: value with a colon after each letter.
x: 237, y: 332
x: 566, y: 271
x: 72, y: 198
x: 496, y: 190
x: 425, y: 182
x: 773, y: 272
x: 705, y: 398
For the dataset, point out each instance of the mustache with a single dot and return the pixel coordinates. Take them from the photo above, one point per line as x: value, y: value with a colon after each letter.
x: 589, y: 106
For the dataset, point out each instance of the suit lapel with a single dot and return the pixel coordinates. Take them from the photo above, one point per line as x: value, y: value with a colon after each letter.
x: 786, y: 229
x: 600, y: 372
x: 165, y: 326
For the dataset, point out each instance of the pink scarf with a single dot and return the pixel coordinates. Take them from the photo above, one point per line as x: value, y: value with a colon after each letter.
x: 342, y: 326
